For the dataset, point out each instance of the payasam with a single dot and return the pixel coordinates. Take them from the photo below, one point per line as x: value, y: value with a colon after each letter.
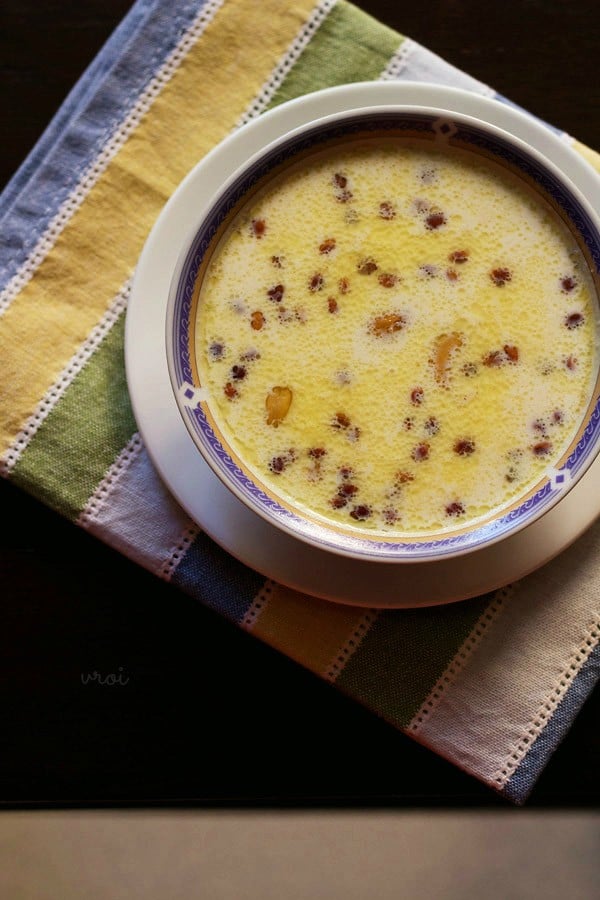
x: 397, y: 337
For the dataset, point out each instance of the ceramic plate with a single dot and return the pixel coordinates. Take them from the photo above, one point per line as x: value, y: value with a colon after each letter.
x: 241, y: 532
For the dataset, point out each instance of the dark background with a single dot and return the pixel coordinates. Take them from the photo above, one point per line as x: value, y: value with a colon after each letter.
x: 201, y: 719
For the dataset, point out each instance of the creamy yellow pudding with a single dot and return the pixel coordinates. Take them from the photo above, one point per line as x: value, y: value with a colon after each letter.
x: 397, y: 337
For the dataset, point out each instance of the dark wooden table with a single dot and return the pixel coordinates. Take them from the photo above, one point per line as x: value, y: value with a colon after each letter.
x: 200, y: 720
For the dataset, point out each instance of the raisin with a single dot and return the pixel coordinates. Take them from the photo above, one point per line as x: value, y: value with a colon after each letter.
x: 317, y: 452
x: 501, y: 276
x: 342, y: 192
x: 386, y: 210
x: 257, y: 320
x: 367, y: 266
x: 276, y: 293
x: 432, y: 426
x: 316, y: 283
x: 343, y: 285
x: 238, y: 373
x: 455, y: 508
x: 458, y: 256
x: 571, y: 362
x: 574, y: 320
x: 386, y: 279
x: 340, y: 421
x: 435, y: 220
x: 568, y: 284
x: 216, y: 350
x: 496, y: 358
x: 229, y: 391
x: 417, y: 396
x: 327, y: 246
x: 277, y: 261
x: 451, y: 274
x: 360, y: 513
x: 332, y: 304
x: 347, y: 490
x: 542, y: 448
x: 338, y: 502
x: 404, y: 477
x: 420, y: 452
x: 259, y: 226
x: 464, y: 447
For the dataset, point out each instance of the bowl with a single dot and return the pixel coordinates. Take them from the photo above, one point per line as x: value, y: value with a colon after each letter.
x: 382, y: 334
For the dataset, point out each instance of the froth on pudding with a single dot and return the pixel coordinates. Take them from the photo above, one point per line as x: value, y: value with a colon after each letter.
x: 396, y: 337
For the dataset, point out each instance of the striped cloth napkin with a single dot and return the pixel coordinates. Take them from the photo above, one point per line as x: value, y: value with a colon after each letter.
x: 492, y: 683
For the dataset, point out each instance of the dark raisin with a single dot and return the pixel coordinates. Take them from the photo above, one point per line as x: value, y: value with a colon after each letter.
x: 464, y: 447
x: 420, y: 452
x: 216, y: 350
x: 386, y: 210
x: 500, y: 276
x: 435, y: 220
x: 340, y: 421
x: 417, y: 396
x: 367, y: 266
x: 360, y: 513
x: 276, y: 293
x: 574, y: 320
x: 316, y: 283
x: 568, y: 284
x: 455, y: 508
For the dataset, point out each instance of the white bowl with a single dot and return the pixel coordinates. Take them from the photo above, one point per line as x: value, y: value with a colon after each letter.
x: 430, y: 124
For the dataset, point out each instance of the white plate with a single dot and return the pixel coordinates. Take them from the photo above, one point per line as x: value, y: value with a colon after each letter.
x: 238, y: 530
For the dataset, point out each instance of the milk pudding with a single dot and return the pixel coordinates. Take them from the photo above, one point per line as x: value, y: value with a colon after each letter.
x: 397, y: 337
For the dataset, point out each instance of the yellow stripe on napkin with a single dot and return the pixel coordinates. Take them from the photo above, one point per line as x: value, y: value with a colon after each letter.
x: 309, y: 630
x: 98, y: 248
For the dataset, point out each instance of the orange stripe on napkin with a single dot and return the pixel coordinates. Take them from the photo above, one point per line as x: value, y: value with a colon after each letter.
x: 97, y: 251
x: 309, y: 630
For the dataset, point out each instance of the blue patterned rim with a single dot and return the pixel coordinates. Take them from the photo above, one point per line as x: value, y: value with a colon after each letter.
x: 467, y: 134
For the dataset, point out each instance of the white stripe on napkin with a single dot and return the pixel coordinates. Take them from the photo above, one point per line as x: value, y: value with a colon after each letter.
x: 132, y: 510
x: 485, y: 716
x: 413, y: 62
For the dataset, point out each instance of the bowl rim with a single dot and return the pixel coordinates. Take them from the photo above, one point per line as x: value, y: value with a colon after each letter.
x: 354, y: 543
